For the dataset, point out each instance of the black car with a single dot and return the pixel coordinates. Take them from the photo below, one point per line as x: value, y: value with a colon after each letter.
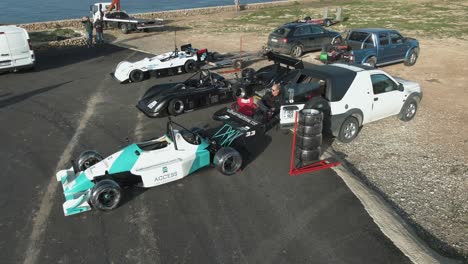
x: 297, y: 38
x: 202, y: 89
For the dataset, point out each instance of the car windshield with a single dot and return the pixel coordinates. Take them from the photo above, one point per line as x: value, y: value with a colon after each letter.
x: 281, y: 31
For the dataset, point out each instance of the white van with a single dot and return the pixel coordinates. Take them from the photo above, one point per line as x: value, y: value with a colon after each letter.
x: 15, y: 49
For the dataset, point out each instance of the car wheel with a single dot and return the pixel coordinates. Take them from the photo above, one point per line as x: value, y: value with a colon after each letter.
x: 297, y: 51
x: 227, y: 160
x: 124, y: 28
x: 327, y: 22
x: 412, y: 58
x: 371, y: 61
x: 237, y: 64
x: 409, y: 110
x: 309, y: 143
x: 349, y: 130
x: 190, y: 66
x: 176, y: 107
x: 137, y: 75
x: 308, y: 155
x: 106, y: 195
x: 88, y: 159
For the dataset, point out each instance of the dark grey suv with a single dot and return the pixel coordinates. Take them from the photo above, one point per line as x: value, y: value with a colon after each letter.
x: 297, y: 38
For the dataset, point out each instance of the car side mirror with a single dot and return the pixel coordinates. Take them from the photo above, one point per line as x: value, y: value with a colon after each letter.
x: 401, y: 88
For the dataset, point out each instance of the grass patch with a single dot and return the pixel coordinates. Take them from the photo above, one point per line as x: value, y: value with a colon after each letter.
x: 54, y: 35
x: 432, y: 18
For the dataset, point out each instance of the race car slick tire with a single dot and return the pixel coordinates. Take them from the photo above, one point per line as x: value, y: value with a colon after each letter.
x: 227, y: 160
x: 106, y: 195
x: 348, y: 130
x: 409, y: 110
x: 309, y: 131
x: 190, y: 66
x: 319, y: 103
x: 310, y: 117
x: 88, y: 159
x: 124, y: 28
x: 308, y: 155
x: 309, y: 143
x: 175, y: 107
x: 137, y: 75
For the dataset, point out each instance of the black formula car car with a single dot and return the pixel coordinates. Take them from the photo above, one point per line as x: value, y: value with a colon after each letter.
x: 202, y: 89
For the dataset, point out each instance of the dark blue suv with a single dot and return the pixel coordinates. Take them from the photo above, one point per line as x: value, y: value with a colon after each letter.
x: 296, y: 38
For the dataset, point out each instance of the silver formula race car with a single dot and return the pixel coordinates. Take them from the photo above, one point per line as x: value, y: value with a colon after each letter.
x: 187, y: 60
x: 95, y: 182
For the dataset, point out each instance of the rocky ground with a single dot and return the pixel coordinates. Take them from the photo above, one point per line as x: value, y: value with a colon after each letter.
x: 420, y: 167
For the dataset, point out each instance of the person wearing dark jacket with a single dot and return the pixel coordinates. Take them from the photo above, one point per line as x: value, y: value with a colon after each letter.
x: 271, y: 101
x: 99, y: 26
x: 89, y: 30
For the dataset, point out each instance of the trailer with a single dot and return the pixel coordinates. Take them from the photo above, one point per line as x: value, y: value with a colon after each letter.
x: 121, y: 20
x: 236, y: 61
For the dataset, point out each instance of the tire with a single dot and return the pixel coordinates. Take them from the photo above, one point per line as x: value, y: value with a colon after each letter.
x: 137, y: 75
x: 124, y: 28
x: 297, y: 51
x: 175, y: 107
x: 348, y: 130
x: 106, y: 195
x: 227, y: 160
x: 308, y: 155
x: 409, y: 110
x: 190, y: 66
x: 309, y: 131
x: 309, y: 143
x: 327, y: 22
x: 371, y: 61
x: 237, y: 64
x: 88, y: 159
x: 310, y: 117
x: 412, y: 58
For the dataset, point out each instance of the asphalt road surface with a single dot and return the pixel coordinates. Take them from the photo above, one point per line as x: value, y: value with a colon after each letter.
x: 70, y: 104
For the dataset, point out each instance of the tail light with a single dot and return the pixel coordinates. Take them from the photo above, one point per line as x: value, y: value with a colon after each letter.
x: 284, y: 40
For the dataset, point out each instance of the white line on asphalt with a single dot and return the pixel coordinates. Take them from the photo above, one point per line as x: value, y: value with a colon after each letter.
x: 39, y: 222
x: 389, y: 222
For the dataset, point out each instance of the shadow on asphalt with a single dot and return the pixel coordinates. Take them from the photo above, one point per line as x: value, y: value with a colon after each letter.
x: 56, y: 58
x: 21, y: 97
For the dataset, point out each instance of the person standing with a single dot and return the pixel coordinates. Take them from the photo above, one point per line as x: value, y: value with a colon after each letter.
x: 237, y: 3
x: 99, y: 26
x: 89, y: 30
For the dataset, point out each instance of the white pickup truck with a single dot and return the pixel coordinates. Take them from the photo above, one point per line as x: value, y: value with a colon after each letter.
x: 121, y: 20
x: 349, y: 95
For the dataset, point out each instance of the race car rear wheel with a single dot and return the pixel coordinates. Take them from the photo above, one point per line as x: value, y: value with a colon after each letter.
x: 88, y: 159
x: 227, y: 160
x: 309, y: 142
x: 175, y: 107
x: 190, y: 66
x: 106, y: 195
x: 305, y: 155
x: 137, y: 75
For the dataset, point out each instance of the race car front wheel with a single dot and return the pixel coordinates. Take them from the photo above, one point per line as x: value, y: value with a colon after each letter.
x: 106, y: 195
x: 88, y: 159
x: 190, y: 66
x: 137, y: 76
x: 227, y: 160
x: 175, y: 107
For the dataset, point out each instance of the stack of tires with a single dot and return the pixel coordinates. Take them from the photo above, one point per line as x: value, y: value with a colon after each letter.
x: 309, y: 136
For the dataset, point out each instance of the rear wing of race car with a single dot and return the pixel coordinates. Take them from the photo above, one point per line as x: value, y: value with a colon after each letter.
x: 236, y: 126
x: 281, y: 59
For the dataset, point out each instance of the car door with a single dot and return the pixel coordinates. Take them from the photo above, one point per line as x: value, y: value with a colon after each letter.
x: 397, y: 47
x: 302, y: 35
x: 387, y: 99
x: 5, y: 55
x: 383, y: 51
x: 320, y: 37
x: 19, y: 48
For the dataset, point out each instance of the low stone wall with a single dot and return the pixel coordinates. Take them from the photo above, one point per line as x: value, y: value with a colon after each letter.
x: 76, y: 23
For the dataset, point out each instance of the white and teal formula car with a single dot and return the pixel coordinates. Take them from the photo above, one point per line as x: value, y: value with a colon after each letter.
x: 95, y: 182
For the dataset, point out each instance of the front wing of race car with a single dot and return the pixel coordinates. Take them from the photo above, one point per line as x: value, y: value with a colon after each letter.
x: 77, y: 190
